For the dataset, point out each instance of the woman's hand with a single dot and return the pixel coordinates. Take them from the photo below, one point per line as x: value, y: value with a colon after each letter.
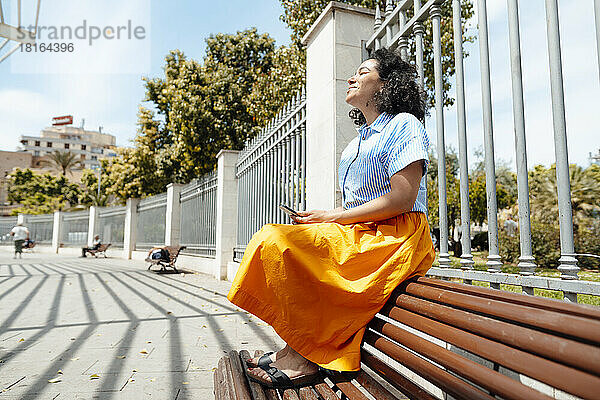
x: 316, y: 216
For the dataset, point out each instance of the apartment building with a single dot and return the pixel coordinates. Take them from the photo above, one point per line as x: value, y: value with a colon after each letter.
x: 91, y: 146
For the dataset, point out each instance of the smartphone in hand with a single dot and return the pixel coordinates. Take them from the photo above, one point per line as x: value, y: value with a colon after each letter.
x: 288, y: 210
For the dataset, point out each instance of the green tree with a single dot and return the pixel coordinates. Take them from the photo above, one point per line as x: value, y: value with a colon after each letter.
x: 89, y: 195
x: 63, y: 161
x: 194, y: 112
x: 452, y: 189
x: 41, y: 193
x: 585, y: 193
x: 299, y: 15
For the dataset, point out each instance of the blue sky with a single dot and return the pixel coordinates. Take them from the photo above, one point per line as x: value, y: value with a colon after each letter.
x: 29, y: 100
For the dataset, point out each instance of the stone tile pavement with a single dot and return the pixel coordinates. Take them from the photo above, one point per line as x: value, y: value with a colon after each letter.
x: 81, y: 328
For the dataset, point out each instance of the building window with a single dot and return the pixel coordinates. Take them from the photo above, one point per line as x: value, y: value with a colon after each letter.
x: 36, y: 153
x: 24, y: 142
x: 49, y: 144
x: 83, y: 147
x: 37, y: 143
x: 66, y: 145
x: 94, y: 158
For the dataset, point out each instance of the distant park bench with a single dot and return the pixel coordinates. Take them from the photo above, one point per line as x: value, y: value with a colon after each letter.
x: 29, y: 245
x: 487, y: 342
x: 173, y: 252
x: 101, y: 250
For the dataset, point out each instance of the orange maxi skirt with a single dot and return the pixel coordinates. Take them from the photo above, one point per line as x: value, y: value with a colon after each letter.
x: 318, y: 285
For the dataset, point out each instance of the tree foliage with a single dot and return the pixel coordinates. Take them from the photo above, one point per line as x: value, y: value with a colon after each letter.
x: 89, y: 194
x: 198, y: 109
x: 41, y: 193
x: 545, y: 229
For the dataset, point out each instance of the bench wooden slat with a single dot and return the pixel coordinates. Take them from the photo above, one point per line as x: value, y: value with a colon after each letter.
x: 224, y: 389
x: 399, y: 381
x: 543, y: 303
x: 229, y: 376
x: 307, y: 393
x: 256, y: 388
x: 573, y: 326
x: 351, y: 391
x: 575, y: 354
x: 373, y: 387
x: 218, y: 382
x: 451, y: 384
x: 290, y: 394
x: 326, y: 392
x: 580, y: 383
x: 488, y: 379
x: 239, y: 379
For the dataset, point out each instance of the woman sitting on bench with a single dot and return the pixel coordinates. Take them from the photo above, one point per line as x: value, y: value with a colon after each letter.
x: 319, y: 282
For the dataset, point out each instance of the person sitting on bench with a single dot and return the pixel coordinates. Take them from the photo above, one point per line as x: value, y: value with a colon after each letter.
x: 95, y: 246
x: 319, y: 282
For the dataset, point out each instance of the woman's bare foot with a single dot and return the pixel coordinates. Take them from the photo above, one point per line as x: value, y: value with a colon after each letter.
x: 253, y: 362
x: 293, y: 365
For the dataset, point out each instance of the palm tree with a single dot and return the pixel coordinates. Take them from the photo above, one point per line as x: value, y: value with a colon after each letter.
x: 585, y: 192
x: 62, y: 161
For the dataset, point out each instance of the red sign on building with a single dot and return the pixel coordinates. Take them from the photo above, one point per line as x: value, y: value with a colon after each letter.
x: 64, y: 120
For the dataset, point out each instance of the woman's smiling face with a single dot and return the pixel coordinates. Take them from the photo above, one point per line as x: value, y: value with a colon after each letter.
x: 363, y: 85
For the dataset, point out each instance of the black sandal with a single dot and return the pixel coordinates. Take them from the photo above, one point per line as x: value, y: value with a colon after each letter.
x: 264, y: 362
x: 280, y: 380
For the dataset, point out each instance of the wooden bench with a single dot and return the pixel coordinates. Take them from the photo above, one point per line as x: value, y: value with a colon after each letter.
x: 469, y: 342
x: 164, y: 264
x: 101, y: 250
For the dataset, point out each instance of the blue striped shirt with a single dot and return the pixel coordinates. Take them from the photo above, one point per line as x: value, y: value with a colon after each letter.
x: 381, y: 149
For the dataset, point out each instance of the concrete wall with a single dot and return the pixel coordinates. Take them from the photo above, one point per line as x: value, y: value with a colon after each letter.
x: 333, y: 55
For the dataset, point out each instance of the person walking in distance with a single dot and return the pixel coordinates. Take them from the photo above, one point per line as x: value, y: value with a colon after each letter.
x: 19, y: 233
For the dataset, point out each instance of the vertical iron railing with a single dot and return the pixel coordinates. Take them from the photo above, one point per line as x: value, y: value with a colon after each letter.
x: 270, y: 171
x: 151, y: 222
x: 40, y: 227
x: 198, y: 223
x: 494, y: 261
x: 393, y: 31
x: 75, y: 228
x: 6, y: 225
x: 110, y: 225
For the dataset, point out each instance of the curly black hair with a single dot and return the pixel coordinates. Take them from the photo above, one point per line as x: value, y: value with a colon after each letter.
x: 400, y: 93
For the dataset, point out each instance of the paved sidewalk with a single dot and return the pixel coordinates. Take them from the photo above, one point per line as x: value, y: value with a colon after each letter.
x: 109, y: 329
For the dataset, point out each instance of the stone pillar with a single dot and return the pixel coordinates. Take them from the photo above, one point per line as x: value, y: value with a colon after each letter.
x: 92, y: 225
x: 333, y: 54
x: 129, y: 236
x: 56, y: 231
x: 226, y: 211
x: 173, y: 217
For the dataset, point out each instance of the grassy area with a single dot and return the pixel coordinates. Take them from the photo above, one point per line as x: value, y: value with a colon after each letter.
x: 480, y: 259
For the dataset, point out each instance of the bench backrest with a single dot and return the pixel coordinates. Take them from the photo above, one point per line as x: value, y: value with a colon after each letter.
x: 103, y: 247
x: 490, y: 339
x: 173, y: 252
